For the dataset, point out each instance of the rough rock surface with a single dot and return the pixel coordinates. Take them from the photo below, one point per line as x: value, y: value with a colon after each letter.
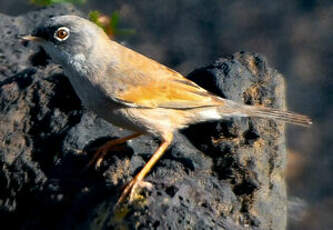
x: 218, y: 175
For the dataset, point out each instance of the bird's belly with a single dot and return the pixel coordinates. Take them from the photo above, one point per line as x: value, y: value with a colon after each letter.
x: 108, y: 110
x: 112, y: 112
x: 156, y: 122
x: 105, y: 108
x: 118, y: 116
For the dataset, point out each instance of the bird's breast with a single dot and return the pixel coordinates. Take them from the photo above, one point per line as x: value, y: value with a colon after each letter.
x: 89, y: 92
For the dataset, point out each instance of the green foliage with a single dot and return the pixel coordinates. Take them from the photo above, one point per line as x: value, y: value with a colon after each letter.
x: 109, y: 23
x: 50, y: 2
x: 94, y: 16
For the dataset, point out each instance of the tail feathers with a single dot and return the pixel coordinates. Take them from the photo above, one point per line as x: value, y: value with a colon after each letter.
x: 231, y: 108
x: 290, y: 117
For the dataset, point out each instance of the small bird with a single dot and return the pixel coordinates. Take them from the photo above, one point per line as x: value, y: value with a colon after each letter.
x: 133, y: 91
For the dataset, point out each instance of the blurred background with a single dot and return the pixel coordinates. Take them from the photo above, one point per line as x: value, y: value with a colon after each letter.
x: 295, y: 36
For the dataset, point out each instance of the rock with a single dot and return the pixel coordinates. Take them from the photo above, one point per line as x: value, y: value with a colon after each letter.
x: 217, y: 175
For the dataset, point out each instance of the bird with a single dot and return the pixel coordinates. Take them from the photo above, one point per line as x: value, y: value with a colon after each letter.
x: 133, y: 91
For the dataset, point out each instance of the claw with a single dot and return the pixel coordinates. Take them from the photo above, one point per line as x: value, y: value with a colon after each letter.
x: 132, y: 189
x: 99, y: 155
x: 137, y: 187
x: 103, y: 150
x: 97, y: 158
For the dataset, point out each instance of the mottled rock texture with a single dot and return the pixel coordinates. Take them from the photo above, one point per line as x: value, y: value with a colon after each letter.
x: 218, y: 175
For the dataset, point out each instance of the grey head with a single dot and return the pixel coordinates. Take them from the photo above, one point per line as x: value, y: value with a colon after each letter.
x: 83, y: 50
x: 64, y: 37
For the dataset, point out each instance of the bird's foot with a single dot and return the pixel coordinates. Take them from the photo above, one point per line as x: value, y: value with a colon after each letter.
x: 103, y: 150
x: 132, y: 189
x: 99, y: 155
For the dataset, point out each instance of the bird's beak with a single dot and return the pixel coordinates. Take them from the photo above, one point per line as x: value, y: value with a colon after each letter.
x: 32, y: 38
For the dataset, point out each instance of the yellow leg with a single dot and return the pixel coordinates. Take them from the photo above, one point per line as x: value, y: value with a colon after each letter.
x: 130, y: 188
x: 103, y: 150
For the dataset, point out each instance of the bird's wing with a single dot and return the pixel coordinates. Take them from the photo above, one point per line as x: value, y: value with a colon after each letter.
x: 145, y: 83
x: 172, y: 94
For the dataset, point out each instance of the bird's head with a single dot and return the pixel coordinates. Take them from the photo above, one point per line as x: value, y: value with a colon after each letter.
x: 64, y: 37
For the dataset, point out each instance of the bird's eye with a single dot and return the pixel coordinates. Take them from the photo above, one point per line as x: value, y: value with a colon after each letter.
x: 61, y: 34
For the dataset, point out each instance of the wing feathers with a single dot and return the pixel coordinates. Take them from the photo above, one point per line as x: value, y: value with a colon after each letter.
x: 139, y: 81
x: 169, y: 94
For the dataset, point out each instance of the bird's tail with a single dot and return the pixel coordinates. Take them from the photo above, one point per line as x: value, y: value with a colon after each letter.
x: 230, y: 108
x: 286, y: 116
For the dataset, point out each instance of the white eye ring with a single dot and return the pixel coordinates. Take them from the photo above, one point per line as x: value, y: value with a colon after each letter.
x: 61, y: 34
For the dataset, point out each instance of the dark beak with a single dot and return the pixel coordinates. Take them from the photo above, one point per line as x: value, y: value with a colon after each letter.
x: 32, y: 38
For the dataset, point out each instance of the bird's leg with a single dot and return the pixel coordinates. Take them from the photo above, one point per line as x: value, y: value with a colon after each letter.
x: 103, y: 150
x: 137, y: 180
